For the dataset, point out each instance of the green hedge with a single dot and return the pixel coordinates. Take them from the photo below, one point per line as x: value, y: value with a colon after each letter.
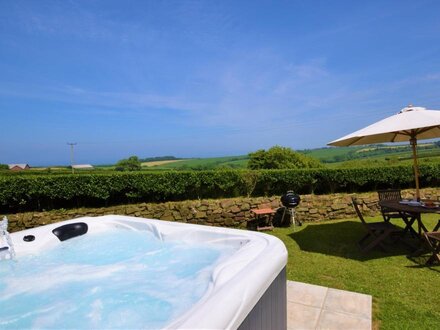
x: 36, y: 192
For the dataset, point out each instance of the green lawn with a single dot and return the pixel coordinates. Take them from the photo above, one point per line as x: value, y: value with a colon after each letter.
x: 406, y: 294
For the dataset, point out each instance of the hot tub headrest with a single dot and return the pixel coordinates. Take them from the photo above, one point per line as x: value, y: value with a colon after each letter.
x: 70, y: 230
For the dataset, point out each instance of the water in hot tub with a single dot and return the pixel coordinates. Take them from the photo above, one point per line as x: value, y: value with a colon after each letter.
x: 116, y: 279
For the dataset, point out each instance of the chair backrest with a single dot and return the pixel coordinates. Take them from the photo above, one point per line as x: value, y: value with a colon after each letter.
x: 356, y: 205
x: 389, y: 195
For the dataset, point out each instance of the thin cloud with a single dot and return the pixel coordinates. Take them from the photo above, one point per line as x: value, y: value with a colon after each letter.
x: 244, y: 96
x: 252, y: 71
x: 69, y: 19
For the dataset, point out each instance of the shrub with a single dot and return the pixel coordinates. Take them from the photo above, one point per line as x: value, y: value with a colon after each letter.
x: 45, y: 191
x: 131, y: 164
x: 280, y: 158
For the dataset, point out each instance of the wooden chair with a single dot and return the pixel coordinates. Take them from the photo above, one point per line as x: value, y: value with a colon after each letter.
x: 377, y: 231
x: 433, y: 240
x: 389, y: 195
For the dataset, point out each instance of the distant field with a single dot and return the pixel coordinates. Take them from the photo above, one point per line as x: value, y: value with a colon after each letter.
x: 378, y: 152
x: 58, y: 168
x: 332, y: 157
x: 327, y: 154
x: 206, y: 163
x: 161, y: 162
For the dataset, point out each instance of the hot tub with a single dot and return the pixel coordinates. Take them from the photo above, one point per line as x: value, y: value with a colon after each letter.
x: 243, y: 278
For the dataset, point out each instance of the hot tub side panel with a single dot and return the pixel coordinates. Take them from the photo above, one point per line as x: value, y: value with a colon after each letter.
x: 270, y: 312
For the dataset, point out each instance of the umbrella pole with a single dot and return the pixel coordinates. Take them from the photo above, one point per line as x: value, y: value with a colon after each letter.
x: 413, y: 142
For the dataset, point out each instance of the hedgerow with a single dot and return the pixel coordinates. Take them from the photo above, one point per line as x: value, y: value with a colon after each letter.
x: 36, y: 192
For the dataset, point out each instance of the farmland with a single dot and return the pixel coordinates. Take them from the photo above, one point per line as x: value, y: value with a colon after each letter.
x: 230, y: 162
x: 358, y: 156
x: 159, y: 163
x: 332, y: 157
x: 379, y: 152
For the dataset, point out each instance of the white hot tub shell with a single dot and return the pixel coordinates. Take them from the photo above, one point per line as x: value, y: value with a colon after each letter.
x: 247, y: 290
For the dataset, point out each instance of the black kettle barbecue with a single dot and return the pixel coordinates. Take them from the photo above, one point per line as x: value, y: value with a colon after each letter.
x: 285, y: 216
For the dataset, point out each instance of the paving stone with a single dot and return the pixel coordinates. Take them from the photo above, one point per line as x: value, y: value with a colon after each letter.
x: 348, y: 302
x: 306, y: 294
x: 316, y: 307
x: 300, y: 316
x: 334, y: 320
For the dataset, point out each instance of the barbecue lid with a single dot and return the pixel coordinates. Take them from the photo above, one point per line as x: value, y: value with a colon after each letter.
x: 290, y: 199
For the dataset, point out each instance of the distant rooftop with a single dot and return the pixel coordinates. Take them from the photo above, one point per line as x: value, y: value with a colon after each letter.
x: 18, y: 166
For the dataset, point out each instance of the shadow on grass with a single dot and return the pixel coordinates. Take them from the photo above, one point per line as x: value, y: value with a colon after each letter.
x: 340, y: 239
x: 420, y: 262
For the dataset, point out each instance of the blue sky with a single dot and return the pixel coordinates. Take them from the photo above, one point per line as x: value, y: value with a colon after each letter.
x: 205, y: 78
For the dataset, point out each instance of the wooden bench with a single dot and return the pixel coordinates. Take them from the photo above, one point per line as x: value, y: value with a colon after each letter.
x: 263, y: 218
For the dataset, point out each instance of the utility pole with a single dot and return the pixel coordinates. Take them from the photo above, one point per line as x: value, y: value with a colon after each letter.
x: 71, y: 155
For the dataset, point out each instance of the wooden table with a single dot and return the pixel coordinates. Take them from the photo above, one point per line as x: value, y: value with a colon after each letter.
x: 264, y: 218
x: 410, y: 214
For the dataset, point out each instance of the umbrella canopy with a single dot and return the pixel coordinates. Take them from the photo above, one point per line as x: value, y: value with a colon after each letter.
x: 410, y: 124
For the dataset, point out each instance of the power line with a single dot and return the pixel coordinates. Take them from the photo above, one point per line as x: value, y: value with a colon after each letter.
x: 71, y: 144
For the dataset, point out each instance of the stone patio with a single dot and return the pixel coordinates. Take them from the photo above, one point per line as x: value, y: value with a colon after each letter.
x: 317, y: 307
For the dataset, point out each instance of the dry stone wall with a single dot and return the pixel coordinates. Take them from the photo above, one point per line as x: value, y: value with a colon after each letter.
x: 234, y: 212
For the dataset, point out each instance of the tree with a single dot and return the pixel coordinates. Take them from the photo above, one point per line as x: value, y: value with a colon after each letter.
x: 4, y: 167
x: 280, y: 158
x: 131, y: 164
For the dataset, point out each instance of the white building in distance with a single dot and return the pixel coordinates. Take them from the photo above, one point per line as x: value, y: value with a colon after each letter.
x: 83, y: 167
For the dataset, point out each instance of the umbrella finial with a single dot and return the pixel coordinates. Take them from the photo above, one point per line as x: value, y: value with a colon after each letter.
x: 410, y: 107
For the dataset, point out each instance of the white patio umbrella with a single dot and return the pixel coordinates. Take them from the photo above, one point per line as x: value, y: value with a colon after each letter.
x: 410, y: 124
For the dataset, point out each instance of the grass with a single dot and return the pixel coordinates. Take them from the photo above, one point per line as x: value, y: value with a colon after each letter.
x: 376, y: 152
x: 406, y: 294
x: 161, y: 162
x: 327, y: 153
x: 207, y: 163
